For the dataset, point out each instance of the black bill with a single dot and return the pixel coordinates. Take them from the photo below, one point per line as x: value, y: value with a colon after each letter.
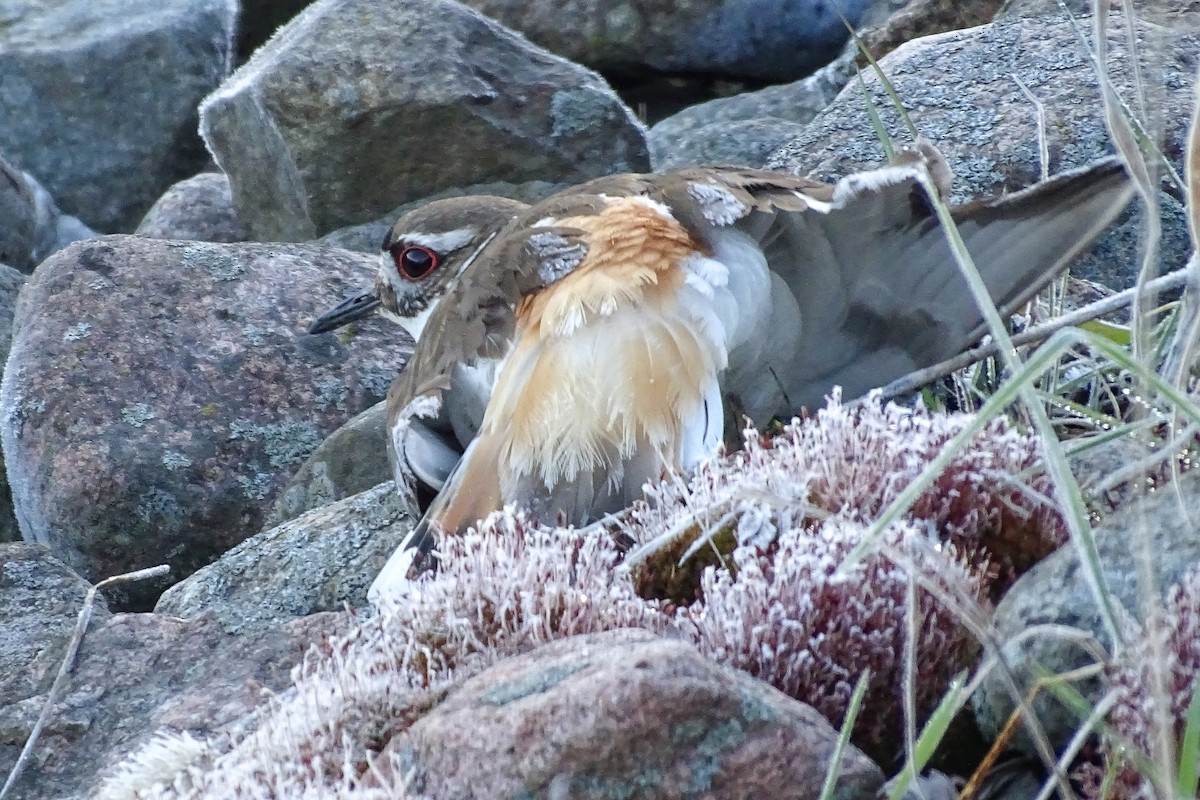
x: 345, y: 312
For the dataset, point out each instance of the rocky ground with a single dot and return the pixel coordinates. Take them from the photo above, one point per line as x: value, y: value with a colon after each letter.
x: 174, y: 211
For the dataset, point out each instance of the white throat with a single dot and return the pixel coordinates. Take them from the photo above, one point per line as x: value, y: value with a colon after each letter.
x: 414, y: 325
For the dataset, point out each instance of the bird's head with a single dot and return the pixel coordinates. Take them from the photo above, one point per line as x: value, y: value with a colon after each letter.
x: 424, y: 253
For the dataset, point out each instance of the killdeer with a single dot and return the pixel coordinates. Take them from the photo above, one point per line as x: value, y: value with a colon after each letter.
x: 570, y: 351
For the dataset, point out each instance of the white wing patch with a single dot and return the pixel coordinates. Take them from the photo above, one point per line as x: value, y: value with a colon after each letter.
x: 860, y: 183
x: 719, y: 205
x: 557, y: 256
x: 816, y: 205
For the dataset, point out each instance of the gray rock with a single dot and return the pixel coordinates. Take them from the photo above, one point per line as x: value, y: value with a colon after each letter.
x: 33, y: 227
x: 1175, y: 14
x: 1029, y: 8
x: 319, y: 561
x: 623, y: 714
x: 11, y: 282
x: 199, y: 209
x: 55, y: 230
x: 136, y: 674
x: 367, y: 237
x: 98, y: 99
x: 159, y: 394
x: 40, y: 599
x: 774, y: 40
x: 708, y: 133
x: 986, y: 126
x: 310, y: 150
x: 18, y: 216
x: 747, y: 143
x: 1161, y: 526
x: 353, y: 459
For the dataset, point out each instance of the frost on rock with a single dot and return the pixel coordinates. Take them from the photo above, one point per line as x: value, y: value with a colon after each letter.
x: 743, y: 560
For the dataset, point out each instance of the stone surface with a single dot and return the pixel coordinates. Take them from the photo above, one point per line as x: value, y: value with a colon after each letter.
x: 738, y: 129
x: 328, y: 125
x: 987, y: 127
x: 40, y: 599
x: 319, y: 561
x: 19, y: 218
x: 772, y: 40
x: 33, y: 227
x: 1175, y: 14
x: 1159, y: 530
x: 747, y: 143
x: 623, y: 714
x: 11, y: 282
x: 54, y: 229
x: 367, y: 237
x: 199, y: 209
x: 159, y: 394
x: 135, y: 674
x: 353, y: 459
x: 98, y: 97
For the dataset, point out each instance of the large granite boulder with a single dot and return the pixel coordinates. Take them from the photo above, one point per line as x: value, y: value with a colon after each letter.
x: 199, y: 208
x: 357, y: 106
x: 160, y: 393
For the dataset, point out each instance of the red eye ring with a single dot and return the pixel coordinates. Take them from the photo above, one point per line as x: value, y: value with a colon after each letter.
x: 415, y: 262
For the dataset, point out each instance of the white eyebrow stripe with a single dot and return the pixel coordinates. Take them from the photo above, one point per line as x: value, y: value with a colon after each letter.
x: 446, y: 242
x: 471, y: 260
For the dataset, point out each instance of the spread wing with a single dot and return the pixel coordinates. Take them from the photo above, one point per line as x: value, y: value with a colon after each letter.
x: 872, y: 289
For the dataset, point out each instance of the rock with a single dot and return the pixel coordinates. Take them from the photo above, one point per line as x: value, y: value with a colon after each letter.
x: 40, y: 599
x: 1029, y: 8
x: 319, y: 561
x: 748, y: 143
x: 11, y: 282
x: 159, y: 394
x: 984, y: 123
x: 1176, y: 14
x: 19, y: 214
x: 98, y: 99
x: 33, y: 226
x: 710, y: 133
x: 55, y: 230
x: 367, y: 237
x: 198, y: 209
x: 327, y: 126
x: 353, y: 459
x: 770, y: 40
x: 1056, y: 592
x: 134, y: 674
x: 622, y: 714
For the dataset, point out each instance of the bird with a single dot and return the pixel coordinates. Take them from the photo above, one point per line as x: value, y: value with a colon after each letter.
x: 569, y: 351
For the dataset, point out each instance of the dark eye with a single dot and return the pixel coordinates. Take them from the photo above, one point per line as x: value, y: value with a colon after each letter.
x: 414, y: 262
